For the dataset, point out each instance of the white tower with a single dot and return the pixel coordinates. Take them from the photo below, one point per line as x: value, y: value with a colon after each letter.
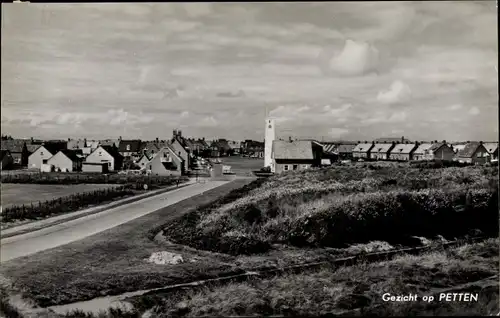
x: 268, y: 143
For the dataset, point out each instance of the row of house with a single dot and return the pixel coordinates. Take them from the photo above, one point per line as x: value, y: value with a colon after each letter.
x: 472, y: 152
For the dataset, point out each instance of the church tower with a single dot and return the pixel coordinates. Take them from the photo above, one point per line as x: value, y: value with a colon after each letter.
x: 268, y: 143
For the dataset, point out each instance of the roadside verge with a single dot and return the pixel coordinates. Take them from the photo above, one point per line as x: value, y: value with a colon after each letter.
x: 41, y: 224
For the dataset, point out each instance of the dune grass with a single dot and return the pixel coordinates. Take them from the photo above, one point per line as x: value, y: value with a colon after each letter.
x: 345, y: 205
x: 355, y: 287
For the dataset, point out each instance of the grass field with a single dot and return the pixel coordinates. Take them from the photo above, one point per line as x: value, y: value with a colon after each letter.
x: 19, y: 194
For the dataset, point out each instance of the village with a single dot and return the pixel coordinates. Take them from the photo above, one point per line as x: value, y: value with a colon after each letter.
x: 180, y: 155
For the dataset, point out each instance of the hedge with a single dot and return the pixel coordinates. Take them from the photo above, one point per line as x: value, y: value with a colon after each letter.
x: 79, y: 178
x: 63, y: 204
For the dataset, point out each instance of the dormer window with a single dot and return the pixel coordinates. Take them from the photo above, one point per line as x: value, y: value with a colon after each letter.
x: 128, y: 147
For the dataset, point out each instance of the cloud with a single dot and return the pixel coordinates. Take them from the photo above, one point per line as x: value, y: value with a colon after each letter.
x: 342, y: 109
x: 474, y: 111
x: 455, y: 107
x: 356, y: 58
x: 209, y: 121
x: 337, y: 132
x: 185, y: 114
x: 239, y: 93
x: 398, y: 92
x: 303, y: 109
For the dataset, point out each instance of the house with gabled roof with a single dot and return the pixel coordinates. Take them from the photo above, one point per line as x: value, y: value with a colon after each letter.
x: 344, y: 151
x: 166, y: 163
x: 403, y: 152
x: 129, y: 148
x: 106, y: 154
x: 474, y: 152
x: 20, y: 150
x: 492, y: 148
x: 362, y: 151
x: 439, y: 151
x: 381, y: 151
x: 181, y: 148
x: 6, y: 159
x: 43, y: 153
x: 421, y: 151
x: 66, y: 160
x: 295, y: 155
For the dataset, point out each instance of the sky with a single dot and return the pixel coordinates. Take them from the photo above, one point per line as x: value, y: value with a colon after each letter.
x: 329, y: 70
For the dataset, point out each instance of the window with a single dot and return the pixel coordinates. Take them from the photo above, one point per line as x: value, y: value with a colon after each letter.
x: 295, y: 167
x: 100, y: 153
x: 109, y: 164
x: 41, y: 153
x: 128, y: 147
x: 285, y: 167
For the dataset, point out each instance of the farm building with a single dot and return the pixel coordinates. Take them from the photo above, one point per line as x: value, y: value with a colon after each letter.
x: 295, y: 155
x: 403, y: 152
x: 362, y: 151
x: 97, y: 167
x: 439, y: 151
x: 107, y: 154
x: 129, y: 148
x: 178, y: 144
x: 66, y: 160
x: 6, y: 159
x: 166, y: 163
x: 382, y: 151
x: 492, y: 148
x: 419, y: 153
x: 44, y: 152
x: 474, y: 152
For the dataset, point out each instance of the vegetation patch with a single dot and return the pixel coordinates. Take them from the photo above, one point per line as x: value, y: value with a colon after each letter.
x: 345, y: 205
x: 359, y: 287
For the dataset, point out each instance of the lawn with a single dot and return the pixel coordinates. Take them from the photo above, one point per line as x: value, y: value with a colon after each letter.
x: 19, y: 194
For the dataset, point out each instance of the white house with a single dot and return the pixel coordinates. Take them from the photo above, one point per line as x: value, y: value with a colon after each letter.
x: 108, y: 154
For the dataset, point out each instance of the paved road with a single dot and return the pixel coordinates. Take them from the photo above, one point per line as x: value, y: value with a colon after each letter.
x: 26, y: 244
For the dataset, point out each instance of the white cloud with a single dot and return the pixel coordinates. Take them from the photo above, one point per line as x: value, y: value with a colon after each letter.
x: 398, y: 117
x: 337, y: 132
x: 356, y: 58
x: 209, y: 121
x: 474, y: 111
x: 455, y: 107
x: 342, y: 109
x: 397, y: 93
x: 303, y: 109
x: 185, y: 114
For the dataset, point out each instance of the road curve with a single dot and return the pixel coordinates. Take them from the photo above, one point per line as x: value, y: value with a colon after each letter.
x: 50, y: 237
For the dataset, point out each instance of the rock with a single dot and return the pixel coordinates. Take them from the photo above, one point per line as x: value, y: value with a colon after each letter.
x: 165, y: 258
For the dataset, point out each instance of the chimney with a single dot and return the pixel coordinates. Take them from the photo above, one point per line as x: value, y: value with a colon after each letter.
x: 402, y: 139
x: 69, y: 139
x: 157, y: 140
x: 179, y: 133
x: 481, y: 142
x: 32, y: 140
x: 120, y: 138
x: 203, y: 138
x: 290, y: 138
x: 359, y: 142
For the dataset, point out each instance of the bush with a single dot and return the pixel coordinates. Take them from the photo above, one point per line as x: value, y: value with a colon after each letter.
x: 64, y: 204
